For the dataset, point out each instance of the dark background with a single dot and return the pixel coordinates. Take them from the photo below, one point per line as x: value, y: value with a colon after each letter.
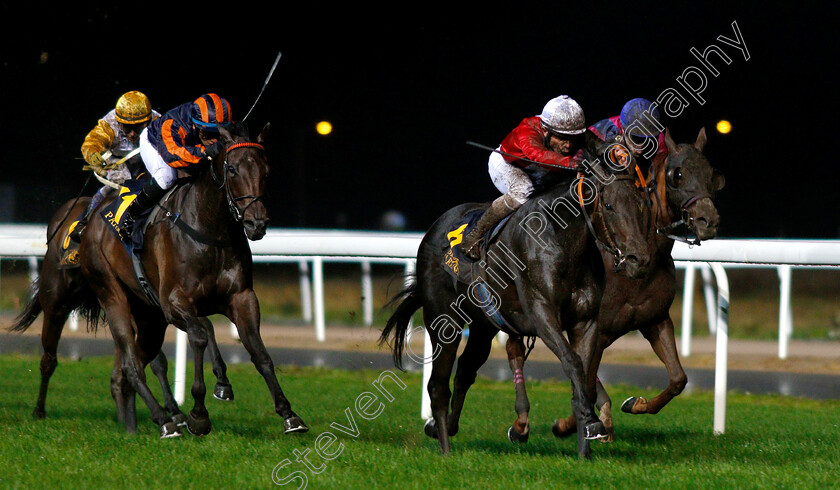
x: 405, y: 88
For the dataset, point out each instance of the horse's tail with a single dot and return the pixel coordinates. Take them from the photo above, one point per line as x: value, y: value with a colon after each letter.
x: 86, y: 304
x: 33, y: 308
x: 399, y: 322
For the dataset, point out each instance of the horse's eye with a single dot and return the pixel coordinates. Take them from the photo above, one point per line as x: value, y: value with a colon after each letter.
x: 674, y: 177
x: 608, y: 206
x: 231, y: 170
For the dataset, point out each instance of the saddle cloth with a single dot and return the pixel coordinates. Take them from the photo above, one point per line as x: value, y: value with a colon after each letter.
x: 462, y: 268
x: 469, y: 271
x: 114, y: 214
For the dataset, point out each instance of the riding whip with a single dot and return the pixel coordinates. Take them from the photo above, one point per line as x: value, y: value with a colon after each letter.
x: 484, y: 147
x: 265, y: 84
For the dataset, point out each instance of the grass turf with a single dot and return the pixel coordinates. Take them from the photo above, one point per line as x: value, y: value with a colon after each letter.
x: 770, y: 441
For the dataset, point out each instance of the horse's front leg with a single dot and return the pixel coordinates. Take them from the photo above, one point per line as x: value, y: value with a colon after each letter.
x: 589, y: 345
x: 546, y: 318
x: 661, y: 338
x: 182, y: 314
x: 244, y: 312
x: 223, y: 389
x: 520, y: 430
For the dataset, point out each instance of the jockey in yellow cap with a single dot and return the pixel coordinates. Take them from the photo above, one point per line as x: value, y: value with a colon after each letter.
x: 115, y: 136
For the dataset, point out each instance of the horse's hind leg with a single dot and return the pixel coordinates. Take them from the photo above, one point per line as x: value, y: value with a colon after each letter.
x: 223, y: 389
x: 520, y: 430
x: 661, y: 338
x: 474, y: 356
x: 134, y: 357
x: 244, y: 312
x: 56, y: 311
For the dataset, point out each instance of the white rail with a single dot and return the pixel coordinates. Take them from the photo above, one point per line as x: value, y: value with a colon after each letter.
x: 318, y: 246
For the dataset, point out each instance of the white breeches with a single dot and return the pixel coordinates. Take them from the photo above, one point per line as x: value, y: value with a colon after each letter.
x: 163, y: 174
x: 509, y: 178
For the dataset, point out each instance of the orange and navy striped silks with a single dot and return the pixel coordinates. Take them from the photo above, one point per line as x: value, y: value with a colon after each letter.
x: 180, y: 154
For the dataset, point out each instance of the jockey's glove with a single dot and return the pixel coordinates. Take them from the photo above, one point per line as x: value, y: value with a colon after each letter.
x: 212, y: 151
x: 102, y: 170
x: 577, y: 160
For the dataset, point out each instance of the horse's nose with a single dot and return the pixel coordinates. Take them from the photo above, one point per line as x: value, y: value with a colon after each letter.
x: 637, y: 264
x: 706, y: 219
x: 255, y: 228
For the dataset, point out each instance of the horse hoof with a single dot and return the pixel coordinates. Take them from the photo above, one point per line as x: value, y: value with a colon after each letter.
x: 170, y: 430
x: 198, y: 426
x: 629, y: 405
x: 516, y: 437
x: 179, y: 419
x: 294, y: 424
x: 561, y: 432
x: 430, y: 428
x: 223, y: 392
x: 595, y: 430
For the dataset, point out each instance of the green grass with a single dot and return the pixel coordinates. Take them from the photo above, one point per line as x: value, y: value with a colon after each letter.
x: 770, y: 441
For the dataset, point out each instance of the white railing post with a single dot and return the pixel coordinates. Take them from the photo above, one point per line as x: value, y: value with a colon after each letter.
x: 318, y: 295
x: 305, y: 291
x: 709, y: 293
x: 367, y: 294
x: 785, y: 314
x: 687, y: 310
x: 180, y: 366
x: 428, y: 353
x: 721, y: 348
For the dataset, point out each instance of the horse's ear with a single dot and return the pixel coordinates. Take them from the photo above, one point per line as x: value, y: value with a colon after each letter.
x: 701, y: 140
x: 718, y: 180
x: 669, y: 142
x: 226, y: 136
x: 264, y: 133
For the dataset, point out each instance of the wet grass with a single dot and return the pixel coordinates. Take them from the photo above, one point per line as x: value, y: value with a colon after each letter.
x: 770, y: 441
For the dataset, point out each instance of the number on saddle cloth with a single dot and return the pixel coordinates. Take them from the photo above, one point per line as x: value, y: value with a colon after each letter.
x: 460, y: 266
x: 114, y: 213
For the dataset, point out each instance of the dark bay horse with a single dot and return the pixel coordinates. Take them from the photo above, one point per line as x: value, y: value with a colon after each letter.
x: 198, y: 263
x: 57, y: 291
x: 682, y: 187
x: 544, y: 274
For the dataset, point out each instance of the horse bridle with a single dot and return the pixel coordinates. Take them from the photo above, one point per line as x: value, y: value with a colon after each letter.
x: 227, y: 167
x: 610, y: 245
x: 685, y: 220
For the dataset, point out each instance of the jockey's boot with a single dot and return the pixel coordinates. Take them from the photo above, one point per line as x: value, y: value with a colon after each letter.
x: 148, y: 196
x: 501, y: 208
x: 77, y: 227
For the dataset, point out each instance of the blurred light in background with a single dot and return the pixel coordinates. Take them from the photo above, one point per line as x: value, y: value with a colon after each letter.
x: 323, y: 128
x: 724, y: 126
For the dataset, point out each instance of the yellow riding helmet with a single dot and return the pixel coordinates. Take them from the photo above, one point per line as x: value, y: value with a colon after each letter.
x: 133, y: 108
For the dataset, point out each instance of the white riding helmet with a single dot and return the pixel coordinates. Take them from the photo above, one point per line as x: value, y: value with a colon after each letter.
x: 563, y: 115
